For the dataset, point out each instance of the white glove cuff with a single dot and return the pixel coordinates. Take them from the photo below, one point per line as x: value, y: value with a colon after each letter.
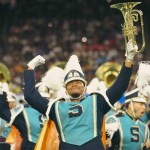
x: 31, y: 65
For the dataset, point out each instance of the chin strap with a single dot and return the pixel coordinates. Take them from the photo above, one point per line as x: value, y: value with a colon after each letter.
x: 133, y: 109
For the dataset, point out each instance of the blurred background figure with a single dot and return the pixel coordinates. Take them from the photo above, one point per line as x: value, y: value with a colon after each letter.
x: 136, y: 133
x: 143, y: 83
x: 4, y: 132
x: 5, y: 77
x: 12, y: 135
x: 28, y: 121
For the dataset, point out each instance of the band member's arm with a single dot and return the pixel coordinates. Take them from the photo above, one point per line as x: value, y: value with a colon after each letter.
x: 4, y: 107
x: 32, y: 96
x: 115, y: 92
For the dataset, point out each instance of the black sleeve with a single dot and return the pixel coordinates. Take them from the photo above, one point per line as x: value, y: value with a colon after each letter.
x: 115, y: 141
x: 115, y: 92
x: 4, y: 108
x: 32, y: 96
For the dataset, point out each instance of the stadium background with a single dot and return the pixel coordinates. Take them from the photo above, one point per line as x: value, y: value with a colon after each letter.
x: 58, y: 28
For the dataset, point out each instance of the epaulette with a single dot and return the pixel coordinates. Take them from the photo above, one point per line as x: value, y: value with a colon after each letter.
x: 61, y: 99
x: 120, y: 113
x: 50, y: 105
x: 26, y: 105
x: 103, y: 93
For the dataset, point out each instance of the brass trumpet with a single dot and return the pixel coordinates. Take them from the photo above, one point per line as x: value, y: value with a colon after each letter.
x: 131, y: 16
x: 60, y: 64
x: 4, y: 73
x: 108, y: 72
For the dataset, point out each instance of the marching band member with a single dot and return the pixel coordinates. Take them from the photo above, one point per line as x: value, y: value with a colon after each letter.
x: 26, y: 119
x: 126, y: 130
x: 78, y: 119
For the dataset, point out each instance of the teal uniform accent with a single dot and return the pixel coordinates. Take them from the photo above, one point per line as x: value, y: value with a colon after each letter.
x: 111, y: 112
x: 4, y: 131
x: 72, y: 119
x: 33, y: 122
x: 133, y: 134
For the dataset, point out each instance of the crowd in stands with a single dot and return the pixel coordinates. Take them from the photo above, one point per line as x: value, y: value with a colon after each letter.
x: 95, y: 36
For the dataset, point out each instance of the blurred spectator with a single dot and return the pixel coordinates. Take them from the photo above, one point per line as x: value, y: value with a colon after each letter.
x: 58, y: 29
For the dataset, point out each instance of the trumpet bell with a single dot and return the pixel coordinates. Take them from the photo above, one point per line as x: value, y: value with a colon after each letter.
x: 108, y: 72
x: 4, y: 73
x: 60, y: 64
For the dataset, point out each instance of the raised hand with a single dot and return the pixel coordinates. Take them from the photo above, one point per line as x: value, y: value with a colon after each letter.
x: 131, y: 50
x: 3, y: 96
x: 38, y: 60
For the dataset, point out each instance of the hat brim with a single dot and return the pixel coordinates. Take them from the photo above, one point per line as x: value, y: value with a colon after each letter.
x: 75, y: 78
x: 11, y: 100
x: 137, y: 99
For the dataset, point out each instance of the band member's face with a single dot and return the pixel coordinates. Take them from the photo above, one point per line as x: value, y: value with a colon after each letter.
x: 75, y: 88
x: 12, y: 105
x: 139, y: 109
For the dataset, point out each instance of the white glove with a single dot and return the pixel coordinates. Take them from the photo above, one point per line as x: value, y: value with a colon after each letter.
x: 1, y: 88
x: 112, y: 126
x: 38, y: 60
x: 130, y: 50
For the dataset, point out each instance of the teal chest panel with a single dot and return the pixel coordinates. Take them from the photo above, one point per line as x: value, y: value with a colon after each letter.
x: 77, y: 121
x: 4, y: 131
x: 132, y: 133
x: 34, y: 123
